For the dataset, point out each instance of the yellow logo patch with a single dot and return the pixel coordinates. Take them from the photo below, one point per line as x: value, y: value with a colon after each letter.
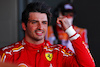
x: 49, y: 56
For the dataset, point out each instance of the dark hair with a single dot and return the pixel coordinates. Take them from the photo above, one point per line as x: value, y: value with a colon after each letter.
x: 36, y: 7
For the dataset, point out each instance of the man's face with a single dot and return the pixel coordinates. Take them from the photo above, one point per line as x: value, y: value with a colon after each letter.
x: 36, y: 26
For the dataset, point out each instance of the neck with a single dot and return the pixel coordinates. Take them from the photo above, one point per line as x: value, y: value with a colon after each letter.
x: 33, y: 41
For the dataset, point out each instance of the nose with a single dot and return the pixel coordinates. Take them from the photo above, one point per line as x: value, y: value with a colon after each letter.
x: 40, y: 26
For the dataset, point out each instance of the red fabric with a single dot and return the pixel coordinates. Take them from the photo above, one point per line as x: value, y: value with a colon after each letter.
x: 34, y: 56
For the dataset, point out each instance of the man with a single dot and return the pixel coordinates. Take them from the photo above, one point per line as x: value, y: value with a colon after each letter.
x: 56, y: 34
x: 35, y: 51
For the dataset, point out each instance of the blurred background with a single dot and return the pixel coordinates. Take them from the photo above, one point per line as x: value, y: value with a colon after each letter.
x: 88, y: 16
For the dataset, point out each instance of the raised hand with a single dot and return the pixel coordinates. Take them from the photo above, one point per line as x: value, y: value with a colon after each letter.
x: 64, y: 22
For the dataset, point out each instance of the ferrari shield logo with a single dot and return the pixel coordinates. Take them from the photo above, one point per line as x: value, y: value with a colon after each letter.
x: 49, y: 56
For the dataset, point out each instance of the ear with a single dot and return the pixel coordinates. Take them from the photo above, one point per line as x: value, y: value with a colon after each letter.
x: 23, y: 26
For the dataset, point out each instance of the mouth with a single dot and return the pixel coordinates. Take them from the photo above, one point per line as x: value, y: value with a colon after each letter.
x: 39, y: 33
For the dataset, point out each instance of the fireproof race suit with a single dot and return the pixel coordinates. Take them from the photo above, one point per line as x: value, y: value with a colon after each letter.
x: 25, y: 54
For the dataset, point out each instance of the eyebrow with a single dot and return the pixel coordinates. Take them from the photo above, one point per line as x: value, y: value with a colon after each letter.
x: 33, y: 20
x: 38, y: 21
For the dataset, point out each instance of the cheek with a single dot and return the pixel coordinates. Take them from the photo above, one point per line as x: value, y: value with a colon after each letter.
x: 46, y: 27
x: 31, y: 28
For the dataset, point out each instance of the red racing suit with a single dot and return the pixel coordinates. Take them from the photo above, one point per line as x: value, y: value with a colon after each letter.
x: 25, y: 54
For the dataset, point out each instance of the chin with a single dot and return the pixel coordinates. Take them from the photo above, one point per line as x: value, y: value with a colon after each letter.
x: 39, y: 39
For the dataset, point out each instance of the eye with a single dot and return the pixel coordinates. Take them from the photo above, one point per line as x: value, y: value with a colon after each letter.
x: 33, y: 22
x: 44, y: 22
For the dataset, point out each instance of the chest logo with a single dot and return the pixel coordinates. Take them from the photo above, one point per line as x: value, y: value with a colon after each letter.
x: 49, y: 56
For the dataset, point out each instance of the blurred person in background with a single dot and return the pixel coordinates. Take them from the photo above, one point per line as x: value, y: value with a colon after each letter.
x: 55, y: 33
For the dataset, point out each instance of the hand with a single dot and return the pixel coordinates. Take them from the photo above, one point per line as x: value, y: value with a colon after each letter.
x: 64, y: 22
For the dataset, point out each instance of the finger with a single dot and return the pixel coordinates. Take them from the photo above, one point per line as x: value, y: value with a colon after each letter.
x: 58, y: 21
x: 61, y: 19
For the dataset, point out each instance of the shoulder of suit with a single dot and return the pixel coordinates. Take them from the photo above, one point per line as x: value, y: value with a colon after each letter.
x: 10, y: 50
x: 15, y: 47
x: 78, y: 29
x: 60, y: 48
